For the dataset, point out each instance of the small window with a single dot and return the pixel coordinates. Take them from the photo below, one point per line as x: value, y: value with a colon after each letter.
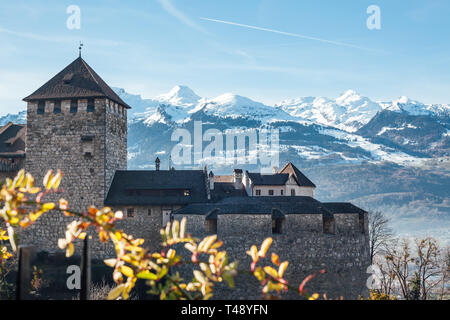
x: 149, y: 211
x: 41, y: 107
x: 293, y: 192
x: 73, y: 107
x: 258, y: 192
x: 211, y: 226
x: 187, y: 193
x: 276, y: 226
x: 57, y: 107
x: 270, y: 192
x: 282, y: 192
x: 130, y: 212
x: 91, y: 105
x: 361, y: 223
x: 328, y: 225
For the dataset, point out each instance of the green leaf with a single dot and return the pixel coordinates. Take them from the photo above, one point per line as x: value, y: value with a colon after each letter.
x: 147, y: 275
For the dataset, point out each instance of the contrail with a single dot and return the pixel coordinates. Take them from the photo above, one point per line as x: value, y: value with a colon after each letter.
x: 288, y: 34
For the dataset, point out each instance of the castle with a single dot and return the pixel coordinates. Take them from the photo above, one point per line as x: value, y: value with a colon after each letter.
x: 77, y: 123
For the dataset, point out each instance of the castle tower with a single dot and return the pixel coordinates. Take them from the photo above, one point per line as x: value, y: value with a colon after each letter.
x: 76, y: 123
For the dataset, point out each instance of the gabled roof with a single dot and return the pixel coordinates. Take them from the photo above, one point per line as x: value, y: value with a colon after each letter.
x: 77, y: 80
x: 125, y: 183
x: 12, y: 140
x: 302, y: 180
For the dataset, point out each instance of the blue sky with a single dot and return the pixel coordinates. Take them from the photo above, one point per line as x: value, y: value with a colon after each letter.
x: 147, y: 47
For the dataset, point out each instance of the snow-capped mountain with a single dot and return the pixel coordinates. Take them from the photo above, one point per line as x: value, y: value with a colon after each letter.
x: 19, y: 118
x: 348, y: 112
x: 349, y: 128
x: 179, y: 96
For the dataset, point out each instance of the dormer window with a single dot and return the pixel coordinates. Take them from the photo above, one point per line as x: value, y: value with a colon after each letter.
x: 57, y: 107
x: 73, y: 106
x: 90, y: 105
x: 41, y: 107
x: 68, y: 78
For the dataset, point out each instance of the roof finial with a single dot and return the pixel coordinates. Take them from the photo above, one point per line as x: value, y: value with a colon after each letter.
x: 79, y: 49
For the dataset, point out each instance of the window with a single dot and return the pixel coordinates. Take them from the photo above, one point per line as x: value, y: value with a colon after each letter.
x: 57, y: 107
x: 73, y: 106
x: 258, y: 192
x: 328, y: 225
x: 41, y: 107
x: 276, y: 226
x: 149, y: 211
x: 270, y: 192
x: 211, y: 226
x: 91, y: 105
x: 187, y: 193
x: 87, y: 144
x: 130, y: 212
x: 282, y: 192
x: 166, y: 216
x: 292, y: 192
x: 361, y: 223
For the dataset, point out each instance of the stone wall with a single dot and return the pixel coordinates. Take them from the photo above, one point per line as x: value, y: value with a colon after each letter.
x: 82, y: 145
x: 344, y: 255
x: 146, y: 223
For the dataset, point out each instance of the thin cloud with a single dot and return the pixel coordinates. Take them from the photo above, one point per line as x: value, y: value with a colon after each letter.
x: 173, y: 11
x: 57, y: 39
x: 296, y: 35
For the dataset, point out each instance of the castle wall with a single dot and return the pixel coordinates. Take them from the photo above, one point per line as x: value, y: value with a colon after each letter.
x: 146, y: 223
x: 344, y: 255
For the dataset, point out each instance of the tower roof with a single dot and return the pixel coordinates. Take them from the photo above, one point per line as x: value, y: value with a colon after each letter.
x: 77, y: 80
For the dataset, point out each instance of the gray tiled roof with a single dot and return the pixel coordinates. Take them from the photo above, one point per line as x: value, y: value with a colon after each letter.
x: 124, y: 181
x: 77, y: 80
x: 342, y: 207
x: 12, y: 140
x: 268, y: 179
x: 277, y: 206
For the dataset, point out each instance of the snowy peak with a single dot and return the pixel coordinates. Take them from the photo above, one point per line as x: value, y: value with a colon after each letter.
x: 179, y: 96
x: 348, y: 112
x: 234, y: 106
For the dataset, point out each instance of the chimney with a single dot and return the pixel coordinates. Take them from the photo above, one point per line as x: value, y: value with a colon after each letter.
x: 211, y: 181
x: 157, y: 163
x: 237, y: 179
